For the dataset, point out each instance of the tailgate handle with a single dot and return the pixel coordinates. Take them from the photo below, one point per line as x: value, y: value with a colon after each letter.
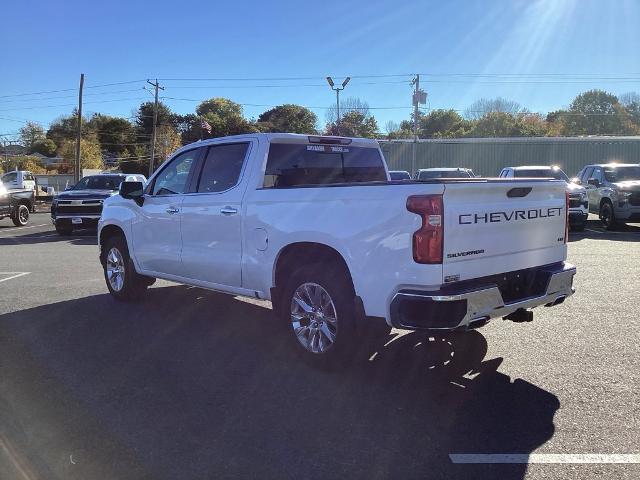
x: 519, y: 192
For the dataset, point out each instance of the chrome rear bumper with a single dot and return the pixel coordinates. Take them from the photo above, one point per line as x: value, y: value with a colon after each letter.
x: 455, y: 310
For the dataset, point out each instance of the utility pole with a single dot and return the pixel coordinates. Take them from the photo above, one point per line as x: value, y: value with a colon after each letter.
x: 76, y: 169
x: 419, y: 96
x: 157, y: 86
x: 337, y: 90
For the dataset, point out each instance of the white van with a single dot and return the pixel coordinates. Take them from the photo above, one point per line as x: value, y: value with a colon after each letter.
x: 19, y: 179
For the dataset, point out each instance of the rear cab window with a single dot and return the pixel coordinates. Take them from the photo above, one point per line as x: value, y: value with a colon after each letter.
x: 298, y: 164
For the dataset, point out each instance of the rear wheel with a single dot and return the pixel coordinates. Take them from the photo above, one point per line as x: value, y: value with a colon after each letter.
x: 607, y: 216
x: 318, y: 304
x: 123, y: 282
x: 21, y: 216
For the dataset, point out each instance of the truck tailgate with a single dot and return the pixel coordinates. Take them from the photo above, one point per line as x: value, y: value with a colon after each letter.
x: 501, y: 226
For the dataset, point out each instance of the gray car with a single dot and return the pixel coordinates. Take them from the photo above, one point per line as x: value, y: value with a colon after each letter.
x: 614, y: 192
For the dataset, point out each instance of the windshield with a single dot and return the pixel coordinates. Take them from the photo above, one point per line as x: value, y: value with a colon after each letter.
x: 99, y: 182
x: 542, y: 173
x: 429, y: 174
x: 621, y: 174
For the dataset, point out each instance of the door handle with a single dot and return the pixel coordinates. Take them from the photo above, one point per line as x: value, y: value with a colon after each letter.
x: 172, y: 210
x: 228, y: 211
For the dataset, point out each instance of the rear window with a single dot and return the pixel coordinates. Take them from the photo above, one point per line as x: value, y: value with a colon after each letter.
x: 291, y: 165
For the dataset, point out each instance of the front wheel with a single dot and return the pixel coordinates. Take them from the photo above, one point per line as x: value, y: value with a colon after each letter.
x: 123, y: 282
x: 21, y: 216
x: 318, y: 304
x: 607, y: 216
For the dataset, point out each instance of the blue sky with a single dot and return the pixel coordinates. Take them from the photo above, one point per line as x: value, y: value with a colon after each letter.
x: 583, y: 44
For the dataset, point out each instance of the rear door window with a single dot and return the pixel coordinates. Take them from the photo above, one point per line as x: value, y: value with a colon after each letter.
x: 292, y: 165
x: 222, y: 167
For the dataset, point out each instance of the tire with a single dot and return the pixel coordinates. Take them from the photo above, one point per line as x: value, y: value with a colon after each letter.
x: 313, y: 295
x: 64, y: 230
x: 21, y: 216
x: 607, y: 216
x: 123, y: 282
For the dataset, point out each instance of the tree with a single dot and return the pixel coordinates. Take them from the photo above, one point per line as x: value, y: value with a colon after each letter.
x: 167, y: 141
x: 65, y: 128
x: 480, y: 108
x: 596, y: 112
x: 224, y: 117
x: 144, y: 119
x: 90, y: 153
x: 354, y: 124
x: 30, y: 134
x: 46, y: 147
x: 501, y: 124
x: 116, y: 135
x: 349, y: 104
x: 443, y: 123
x: 288, y: 118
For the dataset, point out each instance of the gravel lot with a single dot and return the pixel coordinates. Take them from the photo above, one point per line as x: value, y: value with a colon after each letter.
x: 190, y: 384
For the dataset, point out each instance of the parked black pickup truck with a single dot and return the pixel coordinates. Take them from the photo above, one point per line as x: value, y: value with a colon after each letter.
x: 16, y: 204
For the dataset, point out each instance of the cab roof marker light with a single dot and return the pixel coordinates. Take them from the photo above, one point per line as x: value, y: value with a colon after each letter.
x: 329, y: 140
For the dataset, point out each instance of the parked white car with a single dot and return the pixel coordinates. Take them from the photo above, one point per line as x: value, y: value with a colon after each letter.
x: 314, y: 225
x: 578, y: 200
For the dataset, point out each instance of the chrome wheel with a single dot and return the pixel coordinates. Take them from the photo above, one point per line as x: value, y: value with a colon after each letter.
x: 23, y: 215
x: 115, y: 269
x: 313, y: 318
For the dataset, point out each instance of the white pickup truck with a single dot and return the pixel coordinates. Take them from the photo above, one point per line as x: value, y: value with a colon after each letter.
x: 315, y: 225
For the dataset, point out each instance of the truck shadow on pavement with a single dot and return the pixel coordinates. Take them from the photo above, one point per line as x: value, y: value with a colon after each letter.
x: 81, y: 237
x: 194, y: 384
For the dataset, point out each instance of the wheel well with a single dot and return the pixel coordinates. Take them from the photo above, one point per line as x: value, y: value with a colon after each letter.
x: 605, y: 200
x: 106, y: 233
x: 26, y: 203
x: 304, y: 253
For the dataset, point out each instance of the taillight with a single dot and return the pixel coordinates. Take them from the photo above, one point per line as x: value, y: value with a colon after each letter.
x: 566, y: 219
x: 427, y: 242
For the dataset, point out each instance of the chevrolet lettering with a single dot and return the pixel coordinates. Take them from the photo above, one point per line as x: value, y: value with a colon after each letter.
x: 496, y: 217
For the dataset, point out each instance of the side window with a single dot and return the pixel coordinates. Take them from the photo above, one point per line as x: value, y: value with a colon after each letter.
x: 222, y: 167
x: 597, y: 174
x: 172, y: 180
x: 10, y: 178
x: 586, y: 175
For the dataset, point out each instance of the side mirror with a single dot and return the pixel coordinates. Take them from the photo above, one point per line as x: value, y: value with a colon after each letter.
x: 594, y: 181
x: 132, y: 191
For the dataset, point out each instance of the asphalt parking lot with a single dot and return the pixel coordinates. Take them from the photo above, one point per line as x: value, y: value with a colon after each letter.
x: 190, y: 384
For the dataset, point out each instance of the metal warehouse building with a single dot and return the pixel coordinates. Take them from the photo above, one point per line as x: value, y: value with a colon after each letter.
x: 487, y: 156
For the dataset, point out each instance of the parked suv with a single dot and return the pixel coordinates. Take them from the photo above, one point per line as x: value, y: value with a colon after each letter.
x: 614, y: 192
x: 578, y: 200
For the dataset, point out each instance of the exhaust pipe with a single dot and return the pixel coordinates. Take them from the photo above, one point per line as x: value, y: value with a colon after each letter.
x: 520, y: 315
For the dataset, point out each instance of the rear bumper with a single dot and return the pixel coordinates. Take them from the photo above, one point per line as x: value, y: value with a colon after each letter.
x: 465, y: 308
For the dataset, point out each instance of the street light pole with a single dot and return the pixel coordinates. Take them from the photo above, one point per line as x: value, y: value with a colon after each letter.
x: 337, y: 90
